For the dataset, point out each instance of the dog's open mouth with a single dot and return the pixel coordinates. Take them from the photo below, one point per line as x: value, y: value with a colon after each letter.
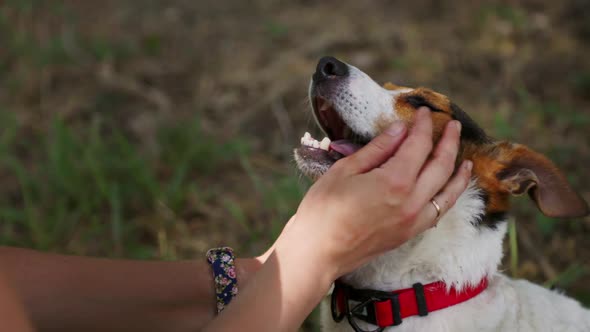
x: 341, y: 141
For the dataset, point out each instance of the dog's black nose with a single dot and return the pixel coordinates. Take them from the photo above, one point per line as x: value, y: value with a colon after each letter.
x: 329, y: 67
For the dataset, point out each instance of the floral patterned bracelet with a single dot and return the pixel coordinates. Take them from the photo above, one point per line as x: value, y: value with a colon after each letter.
x: 224, y: 273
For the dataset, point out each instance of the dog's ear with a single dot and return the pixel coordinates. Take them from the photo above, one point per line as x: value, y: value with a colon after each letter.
x: 527, y: 171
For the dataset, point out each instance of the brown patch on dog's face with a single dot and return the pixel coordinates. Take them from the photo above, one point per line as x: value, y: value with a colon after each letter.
x: 407, y: 103
x: 442, y: 111
x: 393, y: 87
x: 426, y: 97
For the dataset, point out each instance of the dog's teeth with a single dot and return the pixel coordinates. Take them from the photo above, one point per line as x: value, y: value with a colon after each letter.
x: 325, y: 144
x: 309, y: 141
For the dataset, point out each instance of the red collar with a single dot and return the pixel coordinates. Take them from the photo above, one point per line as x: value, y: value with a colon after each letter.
x: 389, y: 308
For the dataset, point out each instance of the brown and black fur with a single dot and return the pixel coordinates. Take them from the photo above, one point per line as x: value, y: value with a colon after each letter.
x: 502, y: 169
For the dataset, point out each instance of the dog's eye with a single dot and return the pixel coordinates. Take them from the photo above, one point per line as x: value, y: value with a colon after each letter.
x: 418, y: 101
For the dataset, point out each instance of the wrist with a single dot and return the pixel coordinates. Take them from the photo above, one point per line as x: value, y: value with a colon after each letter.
x: 246, y: 268
x: 282, y: 289
x: 307, y: 257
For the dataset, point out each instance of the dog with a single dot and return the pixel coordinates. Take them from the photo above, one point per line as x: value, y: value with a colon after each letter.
x: 447, y: 278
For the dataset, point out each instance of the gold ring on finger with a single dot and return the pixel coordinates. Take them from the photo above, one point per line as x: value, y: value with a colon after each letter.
x: 437, y: 207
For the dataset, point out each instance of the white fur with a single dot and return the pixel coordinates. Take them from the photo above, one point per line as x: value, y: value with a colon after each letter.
x: 361, y: 102
x: 455, y: 252
x: 311, y: 168
x: 461, y: 254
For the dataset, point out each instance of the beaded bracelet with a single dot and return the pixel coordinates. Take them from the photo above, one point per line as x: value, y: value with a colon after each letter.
x: 224, y: 273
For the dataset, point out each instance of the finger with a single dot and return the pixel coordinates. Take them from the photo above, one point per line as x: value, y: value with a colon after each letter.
x: 446, y: 199
x: 378, y: 150
x: 440, y: 167
x: 411, y: 155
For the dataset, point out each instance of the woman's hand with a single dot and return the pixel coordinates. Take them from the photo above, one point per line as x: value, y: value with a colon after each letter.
x: 366, y: 204
x: 372, y: 202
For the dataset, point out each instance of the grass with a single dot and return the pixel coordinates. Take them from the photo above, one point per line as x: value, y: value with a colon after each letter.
x: 93, y: 188
x: 85, y: 189
x: 567, y: 277
x: 513, y: 246
x: 65, y: 48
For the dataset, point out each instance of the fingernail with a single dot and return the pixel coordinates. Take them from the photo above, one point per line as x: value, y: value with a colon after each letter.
x: 458, y: 126
x: 423, y: 111
x: 395, y: 129
x: 468, y: 165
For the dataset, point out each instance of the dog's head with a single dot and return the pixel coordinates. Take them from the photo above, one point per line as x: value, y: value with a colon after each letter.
x: 352, y: 109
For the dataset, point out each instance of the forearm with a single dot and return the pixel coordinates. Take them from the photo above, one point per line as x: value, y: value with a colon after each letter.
x: 69, y: 293
x: 281, y: 295
x: 12, y: 315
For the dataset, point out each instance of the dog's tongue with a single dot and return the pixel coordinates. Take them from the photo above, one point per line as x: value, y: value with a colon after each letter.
x: 344, y: 147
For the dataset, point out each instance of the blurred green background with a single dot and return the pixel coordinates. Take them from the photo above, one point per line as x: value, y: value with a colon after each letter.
x: 157, y: 129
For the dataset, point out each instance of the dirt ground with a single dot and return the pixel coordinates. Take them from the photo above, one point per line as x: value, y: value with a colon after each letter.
x: 519, y: 68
